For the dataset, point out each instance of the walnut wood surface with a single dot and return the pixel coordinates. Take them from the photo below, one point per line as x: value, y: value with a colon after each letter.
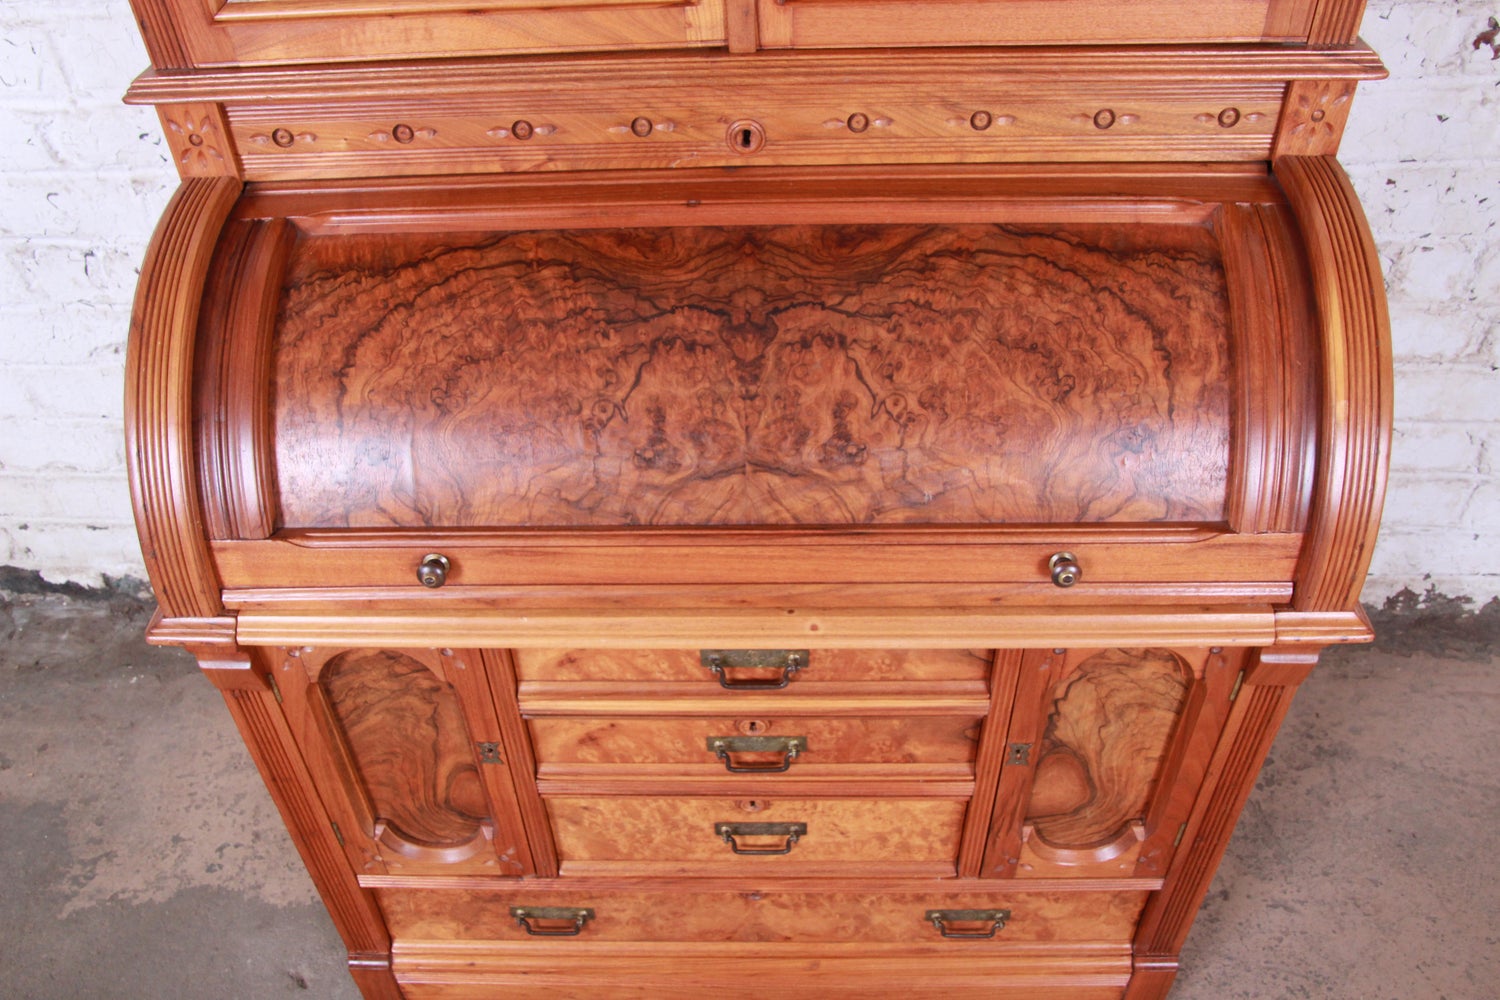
x: 600, y: 746
x: 764, y: 916
x: 158, y: 398
x: 645, y: 833
x: 832, y: 375
x: 408, y: 739
x: 1103, y: 747
x: 693, y: 970
x: 1355, y: 430
x: 686, y: 665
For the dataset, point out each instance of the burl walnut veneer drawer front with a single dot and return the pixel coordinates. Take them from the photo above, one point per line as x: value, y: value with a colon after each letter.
x: 754, y: 746
x: 765, y: 916
x: 689, y: 835
x: 799, y: 668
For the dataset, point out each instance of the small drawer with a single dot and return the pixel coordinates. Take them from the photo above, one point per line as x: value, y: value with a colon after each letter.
x: 938, y: 917
x: 753, y: 745
x: 753, y: 670
x: 705, y: 836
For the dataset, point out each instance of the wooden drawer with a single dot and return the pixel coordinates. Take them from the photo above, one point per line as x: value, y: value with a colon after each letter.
x: 763, y: 916
x: 811, y: 667
x: 689, y: 836
x: 751, y: 747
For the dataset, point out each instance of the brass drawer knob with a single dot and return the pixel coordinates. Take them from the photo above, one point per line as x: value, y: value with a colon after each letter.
x: 433, y: 571
x: 1065, y: 569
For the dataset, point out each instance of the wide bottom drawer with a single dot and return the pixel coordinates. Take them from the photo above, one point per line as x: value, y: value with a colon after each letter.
x: 979, y: 918
x: 447, y: 971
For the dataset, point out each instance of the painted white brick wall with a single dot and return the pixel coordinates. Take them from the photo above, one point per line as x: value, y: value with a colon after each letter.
x: 83, y: 179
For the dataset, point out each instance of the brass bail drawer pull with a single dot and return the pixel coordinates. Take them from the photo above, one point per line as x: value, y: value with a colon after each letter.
x: 788, y: 746
x: 720, y: 661
x: 571, y: 919
x: 790, y: 832
x: 944, y: 919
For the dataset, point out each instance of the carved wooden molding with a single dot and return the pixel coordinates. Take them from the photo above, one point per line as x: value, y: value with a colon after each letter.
x: 158, y: 398
x: 1313, y: 117
x: 233, y: 381
x: 1256, y: 715
x: 200, y: 139
x: 1335, y: 22
x: 1355, y: 427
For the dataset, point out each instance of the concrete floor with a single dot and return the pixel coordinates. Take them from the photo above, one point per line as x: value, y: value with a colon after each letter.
x: 141, y: 857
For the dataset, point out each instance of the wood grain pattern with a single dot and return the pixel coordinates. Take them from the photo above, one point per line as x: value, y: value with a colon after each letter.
x: 406, y: 733
x: 1247, y: 736
x: 591, y: 746
x: 641, y: 833
x: 857, y: 23
x: 830, y: 375
x: 765, y: 916
x: 1103, y: 747
x: 539, y: 132
x: 1313, y: 118
x: 232, y: 384
x: 158, y: 398
x: 1275, y: 419
x: 279, y: 758
x: 685, y: 665
x: 1355, y: 427
x: 693, y: 970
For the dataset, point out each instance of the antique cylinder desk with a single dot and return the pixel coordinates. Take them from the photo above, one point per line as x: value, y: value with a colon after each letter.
x: 737, y: 498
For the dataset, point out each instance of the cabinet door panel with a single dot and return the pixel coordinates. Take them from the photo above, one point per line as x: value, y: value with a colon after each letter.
x: 261, y: 32
x: 393, y: 739
x: 858, y: 23
x: 1105, y: 735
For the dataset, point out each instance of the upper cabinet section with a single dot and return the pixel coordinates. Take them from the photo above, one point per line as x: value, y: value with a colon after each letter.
x: 875, y: 23
x: 183, y: 34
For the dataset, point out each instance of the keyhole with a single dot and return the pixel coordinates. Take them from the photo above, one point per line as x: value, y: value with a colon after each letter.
x: 746, y: 136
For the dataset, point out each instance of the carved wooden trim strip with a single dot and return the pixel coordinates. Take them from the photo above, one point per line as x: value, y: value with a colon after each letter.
x: 162, y: 34
x: 354, y: 910
x: 774, y: 628
x: 586, y: 74
x: 1164, y: 925
x: 1269, y: 487
x: 158, y: 398
x: 500, y: 669
x: 1335, y: 22
x: 1355, y: 426
x: 233, y: 380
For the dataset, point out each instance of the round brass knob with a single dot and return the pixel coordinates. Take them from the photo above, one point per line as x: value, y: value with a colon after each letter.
x: 433, y: 572
x: 1065, y: 569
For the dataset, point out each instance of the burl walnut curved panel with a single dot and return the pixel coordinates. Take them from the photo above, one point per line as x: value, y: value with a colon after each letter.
x: 833, y: 375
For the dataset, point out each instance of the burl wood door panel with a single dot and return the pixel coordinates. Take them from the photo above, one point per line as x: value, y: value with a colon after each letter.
x: 800, y: 375
x: 687, y: 835
x: 767, y: 915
